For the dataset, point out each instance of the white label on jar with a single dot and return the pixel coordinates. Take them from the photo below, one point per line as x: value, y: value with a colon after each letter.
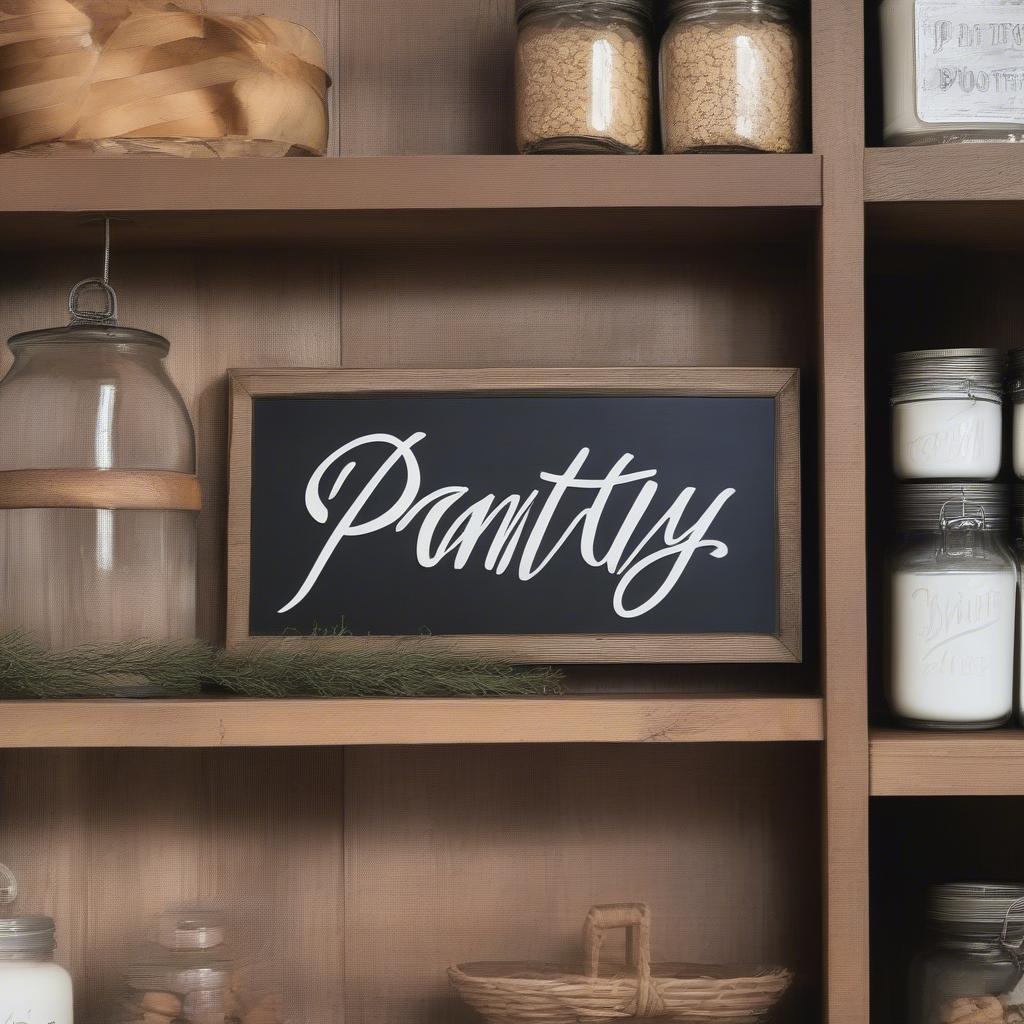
x: 952, y: 646
x: 970, y: 61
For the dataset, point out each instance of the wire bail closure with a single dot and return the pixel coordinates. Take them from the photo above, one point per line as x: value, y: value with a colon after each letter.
x: 1014, y: 949
x: 106, y: 315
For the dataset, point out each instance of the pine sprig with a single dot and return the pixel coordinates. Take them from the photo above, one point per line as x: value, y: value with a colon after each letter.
x: 405, y: 668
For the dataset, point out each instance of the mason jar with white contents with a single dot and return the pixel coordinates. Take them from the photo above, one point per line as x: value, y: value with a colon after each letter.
x: 952, y: 603
x: 33, y: 988
x: 947, y: 420
x: 952, y: 71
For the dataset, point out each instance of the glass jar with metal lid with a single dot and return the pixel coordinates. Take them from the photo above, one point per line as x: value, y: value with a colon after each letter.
x: 970, y: 969
x: 952, y: 600
x: 32, y: 986
x: 584, y: 76
x: 732, y: 77
x: 947, y: 414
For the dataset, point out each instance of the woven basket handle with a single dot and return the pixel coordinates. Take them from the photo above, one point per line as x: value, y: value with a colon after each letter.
x: 636, y: 919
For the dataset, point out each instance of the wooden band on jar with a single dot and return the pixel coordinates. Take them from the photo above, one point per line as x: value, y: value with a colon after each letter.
x: 131, y: 489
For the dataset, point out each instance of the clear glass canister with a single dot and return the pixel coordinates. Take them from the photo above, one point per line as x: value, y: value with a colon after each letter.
x: 32, y: 987
x: 1015, y: 388
x: 952, y: 71
x: 191, y: 975
x: 98, y: 495
x: 584, y: 77
x: 952, y: 600
x: 969, y: 970
x: 732, y: 77
x: 947, y: 415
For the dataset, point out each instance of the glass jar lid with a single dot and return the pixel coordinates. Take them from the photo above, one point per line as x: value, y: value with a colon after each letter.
x: 1015, y: 371
x: 641, y: 10
x: 976, y: 909
x: 27, y: 935
x: 706, y: 8
x: 926, y: 504
x: 943, y: 370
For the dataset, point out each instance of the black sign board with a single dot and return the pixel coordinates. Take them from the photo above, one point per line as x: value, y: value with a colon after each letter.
x: 627, y: 515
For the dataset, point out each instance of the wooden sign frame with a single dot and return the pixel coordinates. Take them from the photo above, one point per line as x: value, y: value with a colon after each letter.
x: 782, y: 385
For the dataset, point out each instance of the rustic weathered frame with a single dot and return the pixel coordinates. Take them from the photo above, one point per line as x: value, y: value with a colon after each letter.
x: 782, y: 385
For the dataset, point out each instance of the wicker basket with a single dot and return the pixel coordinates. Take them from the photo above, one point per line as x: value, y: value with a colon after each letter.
x: 519, y: 993
x: 116, y: 77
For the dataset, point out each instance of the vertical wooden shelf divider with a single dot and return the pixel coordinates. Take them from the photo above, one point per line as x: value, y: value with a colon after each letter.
x: 838, y: 75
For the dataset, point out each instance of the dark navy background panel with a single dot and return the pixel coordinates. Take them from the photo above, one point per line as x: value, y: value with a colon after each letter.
x: 499, y: 445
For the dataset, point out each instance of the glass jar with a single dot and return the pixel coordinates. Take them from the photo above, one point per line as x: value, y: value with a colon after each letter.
x: 192, y: 976
x: 952, y: 71
x: 584, y: 77
x: 98, y: 495
x: 970, y: 966
x: 952, y: 601
x: 732, y: 77
x: 947, y: 414
x: 32, y: 987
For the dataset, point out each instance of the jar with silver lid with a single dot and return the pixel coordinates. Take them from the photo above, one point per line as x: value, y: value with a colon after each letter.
x: 1015, y: 389
x: 584, y: 76
x: 947, y: 414
x: 32, y: 987
x: 952, y: 601
x: 970, y: 969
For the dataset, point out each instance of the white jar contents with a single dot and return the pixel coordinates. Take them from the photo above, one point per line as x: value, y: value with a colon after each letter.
x: 1015, y: 387
x: 947, y: 415
x: 952, y: 71
x: 952, y: 646
x: 947, y: 437
x: 952, y: 613
x: 33, y: 990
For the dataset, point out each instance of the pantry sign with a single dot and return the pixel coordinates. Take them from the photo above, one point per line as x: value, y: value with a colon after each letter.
x: 536, y: 515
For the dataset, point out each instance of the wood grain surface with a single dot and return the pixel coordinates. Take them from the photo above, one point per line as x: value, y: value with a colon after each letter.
x: 300, y: 723
x: 458, y: 854
x: 838, y: 89
x: 99, y: 488
x: 907, y: 763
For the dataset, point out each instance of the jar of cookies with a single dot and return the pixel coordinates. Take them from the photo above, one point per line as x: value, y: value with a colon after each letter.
x: 732, y: 77
x: 584, y: 76
x: 971, y: 971
x: 191, y: 975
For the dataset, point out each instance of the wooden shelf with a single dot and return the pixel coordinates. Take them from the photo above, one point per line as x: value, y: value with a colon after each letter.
x: 989, y: 763
x: 253, y: 723
x: 953, y: 195
x: 365, y: 199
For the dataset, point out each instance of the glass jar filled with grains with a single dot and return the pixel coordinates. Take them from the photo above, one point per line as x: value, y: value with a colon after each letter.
x: 584, y: 77
x: 732, y: 77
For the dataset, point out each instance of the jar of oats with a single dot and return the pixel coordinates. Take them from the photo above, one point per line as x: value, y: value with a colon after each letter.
x: 732, y: 77
x: 584, y: 76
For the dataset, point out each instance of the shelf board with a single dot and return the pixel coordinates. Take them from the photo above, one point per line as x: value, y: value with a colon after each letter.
x: 357, y: 722
x: 954, y: 194
x: 907, y: 763
x: 360, y: 200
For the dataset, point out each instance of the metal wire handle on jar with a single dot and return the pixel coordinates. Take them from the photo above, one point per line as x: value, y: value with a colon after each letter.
x: 1015, y: 950
x: 107, y: 315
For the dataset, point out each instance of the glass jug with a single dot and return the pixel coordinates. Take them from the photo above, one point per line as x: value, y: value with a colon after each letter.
x: 98, y: 494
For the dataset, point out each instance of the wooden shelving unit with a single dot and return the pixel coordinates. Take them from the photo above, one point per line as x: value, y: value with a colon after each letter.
x: 385, y: 838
